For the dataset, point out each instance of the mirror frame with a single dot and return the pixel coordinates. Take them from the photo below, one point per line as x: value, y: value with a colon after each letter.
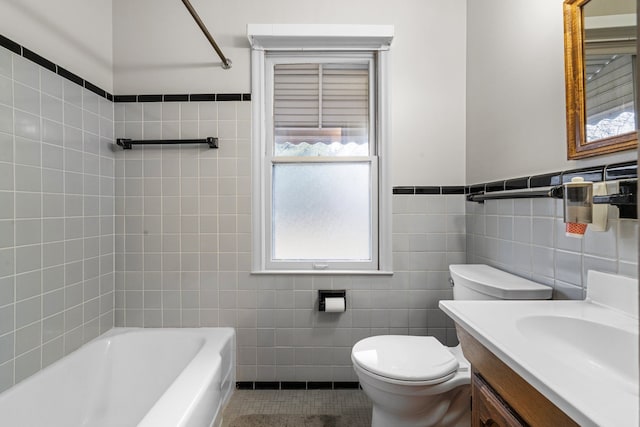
x: 577, y: 145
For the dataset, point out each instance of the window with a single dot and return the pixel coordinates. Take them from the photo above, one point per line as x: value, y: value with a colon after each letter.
x: 321, y: 199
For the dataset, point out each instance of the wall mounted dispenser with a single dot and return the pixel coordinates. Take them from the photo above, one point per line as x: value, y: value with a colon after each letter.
x: 578, y: 206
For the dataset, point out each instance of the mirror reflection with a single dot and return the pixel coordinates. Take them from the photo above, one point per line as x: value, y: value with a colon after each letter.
x: 610, y: 51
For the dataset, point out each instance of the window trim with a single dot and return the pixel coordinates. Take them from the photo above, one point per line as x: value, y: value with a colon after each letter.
x: 331, y: 39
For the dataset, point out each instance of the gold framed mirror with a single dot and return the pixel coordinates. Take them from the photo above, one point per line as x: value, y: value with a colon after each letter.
x: 600, y: 44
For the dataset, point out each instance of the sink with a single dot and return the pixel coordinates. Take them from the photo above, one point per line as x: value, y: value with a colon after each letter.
x: 590, y: 346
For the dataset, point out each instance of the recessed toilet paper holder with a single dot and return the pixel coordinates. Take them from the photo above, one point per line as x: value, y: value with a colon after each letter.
x: 324, y: 294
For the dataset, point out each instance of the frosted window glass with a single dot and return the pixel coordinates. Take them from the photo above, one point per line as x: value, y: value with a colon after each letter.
x: 322, y: 211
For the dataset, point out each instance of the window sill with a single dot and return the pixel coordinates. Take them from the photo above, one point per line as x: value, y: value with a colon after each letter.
x: 324, y: 272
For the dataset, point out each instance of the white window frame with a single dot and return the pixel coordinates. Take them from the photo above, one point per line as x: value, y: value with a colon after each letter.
x: 359, y: 42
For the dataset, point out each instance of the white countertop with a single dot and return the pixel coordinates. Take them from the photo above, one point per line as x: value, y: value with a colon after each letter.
x: 580, y: 355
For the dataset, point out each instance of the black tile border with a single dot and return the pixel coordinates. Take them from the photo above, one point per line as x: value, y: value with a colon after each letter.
x: 404, y: 190
x: 244, y: 385
x: 430, y: 190
x: 95, y: 89
x: 62, y: 72
x: 10, y: 44
x: 545, y: 180
x: 453, y: 189
x: 319, y: 385
x: 70, y: 76
x: 475, y: 188
x: 266, y: 385
x: 297, y: 385
x: 616, y: 171
x: 125, y: 98
x: 494, y: 186
x: 149, y: 98
x: 427, y: 190
x: 229, y: 97
x: 589, y: 174
x: 516, y: 183
x: 628, y: 170
x: 34, y: 57
x: 196, y: 97
x: 183, y: 97
x: 612, y: 172
x: 176, y: 98
x: 346, y: 385
x: 293, y: 385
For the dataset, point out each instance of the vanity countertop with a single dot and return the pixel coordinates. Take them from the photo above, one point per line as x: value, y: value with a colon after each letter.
x: 581, y: 355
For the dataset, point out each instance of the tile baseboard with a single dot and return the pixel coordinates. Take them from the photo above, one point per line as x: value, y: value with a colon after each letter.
x: 297, y: 385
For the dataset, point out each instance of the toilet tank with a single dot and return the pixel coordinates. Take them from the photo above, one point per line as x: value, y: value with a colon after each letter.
x: 483, y: 282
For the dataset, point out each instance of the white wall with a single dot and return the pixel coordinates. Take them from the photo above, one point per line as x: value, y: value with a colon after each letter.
x: 159, y: 49
x: 503, y: 58
x: 75, y: 34
x: 515, y: 91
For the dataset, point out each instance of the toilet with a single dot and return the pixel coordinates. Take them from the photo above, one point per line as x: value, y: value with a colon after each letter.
x: 415, y: 381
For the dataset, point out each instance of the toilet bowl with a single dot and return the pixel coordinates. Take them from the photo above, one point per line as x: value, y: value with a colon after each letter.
x: 415, y: 381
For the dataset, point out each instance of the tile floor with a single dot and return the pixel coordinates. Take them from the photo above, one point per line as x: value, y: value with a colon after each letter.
x: 353, y: 405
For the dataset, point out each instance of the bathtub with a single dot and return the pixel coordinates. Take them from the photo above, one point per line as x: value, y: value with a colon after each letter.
x: 131, y: 377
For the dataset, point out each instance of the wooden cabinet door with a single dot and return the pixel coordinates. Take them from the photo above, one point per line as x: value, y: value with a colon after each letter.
x: 488, y: 409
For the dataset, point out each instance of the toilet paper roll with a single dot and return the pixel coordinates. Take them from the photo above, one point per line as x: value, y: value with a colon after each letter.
x: 334, y: 305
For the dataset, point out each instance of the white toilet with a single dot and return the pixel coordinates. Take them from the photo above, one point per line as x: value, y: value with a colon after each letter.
x: 418, y: 382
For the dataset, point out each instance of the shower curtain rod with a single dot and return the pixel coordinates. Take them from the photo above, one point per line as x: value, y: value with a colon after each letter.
x: 226, y: 62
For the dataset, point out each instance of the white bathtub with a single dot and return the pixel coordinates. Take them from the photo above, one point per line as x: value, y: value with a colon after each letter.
x: 131, y: 377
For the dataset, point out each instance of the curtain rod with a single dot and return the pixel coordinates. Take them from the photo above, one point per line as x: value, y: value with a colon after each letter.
x: 226, y: 62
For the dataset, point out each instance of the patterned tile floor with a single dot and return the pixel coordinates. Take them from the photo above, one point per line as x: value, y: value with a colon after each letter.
x: 353, y: 405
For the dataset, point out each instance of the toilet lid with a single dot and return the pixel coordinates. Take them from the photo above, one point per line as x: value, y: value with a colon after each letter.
x: 404, y: 357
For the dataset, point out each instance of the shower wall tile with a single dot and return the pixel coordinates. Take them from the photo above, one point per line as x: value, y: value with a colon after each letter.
x: 56, y: 190
x: 183, y: 252
x: 539, y: 249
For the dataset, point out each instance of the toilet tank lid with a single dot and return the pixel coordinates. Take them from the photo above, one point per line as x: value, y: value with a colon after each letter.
x: 497, y: 283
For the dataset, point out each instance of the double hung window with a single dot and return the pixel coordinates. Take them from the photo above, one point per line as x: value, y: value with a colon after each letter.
x: 318, y: 160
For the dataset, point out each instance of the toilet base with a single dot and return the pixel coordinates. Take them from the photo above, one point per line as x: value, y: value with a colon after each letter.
x: 453, y: 411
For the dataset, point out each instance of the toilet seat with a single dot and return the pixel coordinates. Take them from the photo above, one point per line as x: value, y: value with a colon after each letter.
x: 406, y: 359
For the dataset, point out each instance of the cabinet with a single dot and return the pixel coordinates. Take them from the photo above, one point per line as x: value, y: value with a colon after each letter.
x: 489, y: 409
x: 502, y: 398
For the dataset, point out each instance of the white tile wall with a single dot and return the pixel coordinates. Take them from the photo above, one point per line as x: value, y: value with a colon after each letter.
x: 56, y: 217
x: 183, y: 252
x: 527, y: 237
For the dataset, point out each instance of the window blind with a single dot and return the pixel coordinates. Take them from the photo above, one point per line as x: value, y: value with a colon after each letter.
x: 321, y: 96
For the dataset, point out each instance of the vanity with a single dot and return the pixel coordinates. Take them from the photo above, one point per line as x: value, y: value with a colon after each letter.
x: 503, y: 398
x: 554, y: 363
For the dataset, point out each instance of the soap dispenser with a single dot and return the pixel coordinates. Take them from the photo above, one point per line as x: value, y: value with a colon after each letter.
x: 578, y: 206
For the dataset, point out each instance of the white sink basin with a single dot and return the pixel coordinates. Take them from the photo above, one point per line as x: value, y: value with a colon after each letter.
x: 581, y: 355
x: 589, y: 346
